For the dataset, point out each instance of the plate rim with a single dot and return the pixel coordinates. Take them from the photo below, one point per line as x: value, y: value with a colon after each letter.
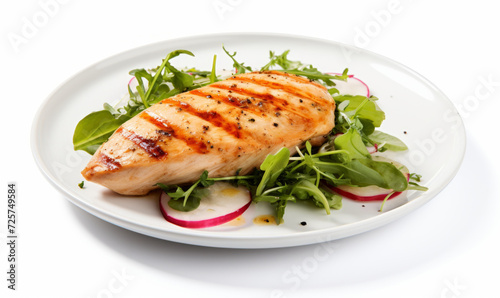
x: 241, y: 241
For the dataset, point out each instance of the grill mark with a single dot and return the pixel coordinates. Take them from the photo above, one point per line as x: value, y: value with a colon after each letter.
x: 278, y: 103
x: 167, y: 128
x: 290, y: 89
x: 212, y: 117
x: 297, y: 79
x: 148, y: 145
x: 110, y: 163
x: 227, y: 99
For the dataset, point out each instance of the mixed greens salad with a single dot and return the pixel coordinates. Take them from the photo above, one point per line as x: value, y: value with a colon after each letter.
x: 308, y: 176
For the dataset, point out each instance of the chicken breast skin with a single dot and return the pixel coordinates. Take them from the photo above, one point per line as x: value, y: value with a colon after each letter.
x: 228, y: 125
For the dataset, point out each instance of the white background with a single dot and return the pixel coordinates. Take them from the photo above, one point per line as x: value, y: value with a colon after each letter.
x: 448, y: 248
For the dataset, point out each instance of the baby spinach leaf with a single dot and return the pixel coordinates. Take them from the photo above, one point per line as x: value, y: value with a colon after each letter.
x: 362, y: 107
x: 352, y: 142
x: 94, y: 129
x: 189, y: 205
x: 388, y: 141
x: 380, y: 173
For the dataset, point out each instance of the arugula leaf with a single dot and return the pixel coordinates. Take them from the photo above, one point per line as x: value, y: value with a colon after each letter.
x: 283, y: 61
x: 361, y: 107
x: 385, y: 173
x: 272, y: 166
x: 204, y: 180
x: 387, y: 141
x: 213, y: 75
x: 414, y: 185
x: 334, y: 200
x: 301, y: 69
x: 181, y: 81
x: 240, y: 68
x: 183, y: 200
x: 315, y: 192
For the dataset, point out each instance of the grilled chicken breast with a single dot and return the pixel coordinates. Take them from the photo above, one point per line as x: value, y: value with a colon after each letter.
x: 228, y: 125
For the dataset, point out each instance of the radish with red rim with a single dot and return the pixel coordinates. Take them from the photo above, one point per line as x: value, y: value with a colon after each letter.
x: 372, y: 192
x: 353, y: 86
x: 372, y: 149
x: 222, y: 203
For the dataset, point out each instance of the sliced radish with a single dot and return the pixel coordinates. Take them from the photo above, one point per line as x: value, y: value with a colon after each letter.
x: 222, y: 203
x: 372, y: 192
x: 353, y: 86
x: 372, y: 149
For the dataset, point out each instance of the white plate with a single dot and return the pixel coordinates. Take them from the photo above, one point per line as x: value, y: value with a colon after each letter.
x: 434, y: 134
